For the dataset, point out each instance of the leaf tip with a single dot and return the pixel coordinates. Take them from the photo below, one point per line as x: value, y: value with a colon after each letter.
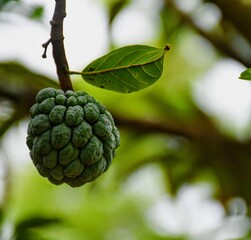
x: 167, y: 47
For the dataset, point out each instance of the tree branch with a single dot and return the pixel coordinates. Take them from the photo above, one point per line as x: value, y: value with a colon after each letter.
x: 218, y: 42
x: 57, y: 41
x: 201, y: 129
x: 238, y: 12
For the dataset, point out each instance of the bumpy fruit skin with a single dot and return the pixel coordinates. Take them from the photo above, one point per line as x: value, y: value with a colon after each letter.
x: 71, y: 136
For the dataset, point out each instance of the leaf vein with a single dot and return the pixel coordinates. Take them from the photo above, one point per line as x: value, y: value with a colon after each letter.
x: 136, y: 77
x: 121, y: 80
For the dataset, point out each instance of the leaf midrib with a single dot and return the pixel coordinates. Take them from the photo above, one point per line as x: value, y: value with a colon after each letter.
x: 120, y: 67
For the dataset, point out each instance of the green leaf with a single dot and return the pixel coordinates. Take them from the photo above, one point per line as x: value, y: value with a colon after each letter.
x: 126, y: 69
x: 246, y: 75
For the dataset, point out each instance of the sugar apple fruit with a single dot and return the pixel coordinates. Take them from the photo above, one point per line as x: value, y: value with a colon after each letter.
x: 71, y: 136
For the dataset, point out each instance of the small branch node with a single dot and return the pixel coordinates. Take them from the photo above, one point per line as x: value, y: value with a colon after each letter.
x: 55, y: 23
x: 45, y: 46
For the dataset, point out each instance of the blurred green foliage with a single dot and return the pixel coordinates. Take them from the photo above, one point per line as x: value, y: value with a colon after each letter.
x: 246, y: 74
x: 31, y: 11
x: 161, y: 128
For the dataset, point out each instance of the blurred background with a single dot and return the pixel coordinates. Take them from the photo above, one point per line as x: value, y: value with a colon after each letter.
x: 183, y: 170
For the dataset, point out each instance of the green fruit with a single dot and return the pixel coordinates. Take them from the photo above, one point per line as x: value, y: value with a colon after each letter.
x: 72, y: 137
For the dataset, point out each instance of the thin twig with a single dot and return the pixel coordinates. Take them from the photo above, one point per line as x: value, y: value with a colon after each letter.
x: 57, y: 41
x: 45, y: 46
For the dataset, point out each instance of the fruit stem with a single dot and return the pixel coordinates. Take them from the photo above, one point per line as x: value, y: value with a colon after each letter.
x: 57, y: 41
